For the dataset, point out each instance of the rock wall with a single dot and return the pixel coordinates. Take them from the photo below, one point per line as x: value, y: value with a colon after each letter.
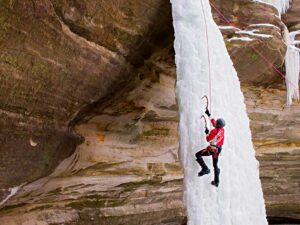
x: 276, y: 137
x: 248, y: 36
x: 53, y: 74
x: 127, y: 170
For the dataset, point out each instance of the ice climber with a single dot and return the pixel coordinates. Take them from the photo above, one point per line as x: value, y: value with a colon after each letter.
x: 216, y: 139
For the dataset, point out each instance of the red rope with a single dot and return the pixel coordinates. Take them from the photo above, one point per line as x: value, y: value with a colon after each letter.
x: 253, y: 48
x: 208, y: 55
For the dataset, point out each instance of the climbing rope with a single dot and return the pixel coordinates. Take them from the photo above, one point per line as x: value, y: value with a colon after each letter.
x: 208, y: 57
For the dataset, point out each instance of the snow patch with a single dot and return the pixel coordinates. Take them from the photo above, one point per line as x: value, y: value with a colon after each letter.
x: 264, y: 25
x: 251, y: 33
x: 240, y: 39
x: 228, y: 28
x: 239, y: 198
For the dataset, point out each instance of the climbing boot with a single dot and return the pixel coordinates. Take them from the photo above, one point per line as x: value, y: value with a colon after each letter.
x: 214, y: 183
x: 217, y: 175
x: 204, y: 172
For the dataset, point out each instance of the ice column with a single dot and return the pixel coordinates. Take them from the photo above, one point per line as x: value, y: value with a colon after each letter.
x: 239, y: 198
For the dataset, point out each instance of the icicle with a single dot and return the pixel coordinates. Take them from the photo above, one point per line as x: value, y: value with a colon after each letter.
x: 292, y: 64
x: 281, y: 5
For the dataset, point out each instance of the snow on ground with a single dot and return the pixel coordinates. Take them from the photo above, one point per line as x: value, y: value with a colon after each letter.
x: 239, y: 198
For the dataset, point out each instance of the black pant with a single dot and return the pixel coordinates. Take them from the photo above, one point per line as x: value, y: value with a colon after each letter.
x: 215, y: 157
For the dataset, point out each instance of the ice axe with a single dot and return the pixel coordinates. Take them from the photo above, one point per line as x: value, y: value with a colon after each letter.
x: 205, y: 122
x: 206, y: 108
x: 205, y: 97
x: 207, y: 105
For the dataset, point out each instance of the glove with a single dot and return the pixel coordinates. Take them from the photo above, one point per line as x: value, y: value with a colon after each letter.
x: 207, y: 112
x: 206, y: 131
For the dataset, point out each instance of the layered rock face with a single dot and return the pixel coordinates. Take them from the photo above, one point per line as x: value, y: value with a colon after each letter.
x: 101, y: 76
x: 53, y: 73
x: 127, y: 169
x: 48, y: 75
x: 276, y: 136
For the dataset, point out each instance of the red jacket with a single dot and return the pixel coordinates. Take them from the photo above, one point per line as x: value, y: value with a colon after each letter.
x: 216, y: 136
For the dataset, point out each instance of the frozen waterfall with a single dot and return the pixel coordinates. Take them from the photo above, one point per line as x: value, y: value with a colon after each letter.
x: 239, y: 198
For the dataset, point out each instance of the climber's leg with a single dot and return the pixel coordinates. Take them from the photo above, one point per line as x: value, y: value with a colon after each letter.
x: 199, y: 159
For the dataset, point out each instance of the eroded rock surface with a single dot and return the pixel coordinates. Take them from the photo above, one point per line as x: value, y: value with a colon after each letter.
x: 127, y: 170
x: 52, y: 74
x: 276, y: 136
